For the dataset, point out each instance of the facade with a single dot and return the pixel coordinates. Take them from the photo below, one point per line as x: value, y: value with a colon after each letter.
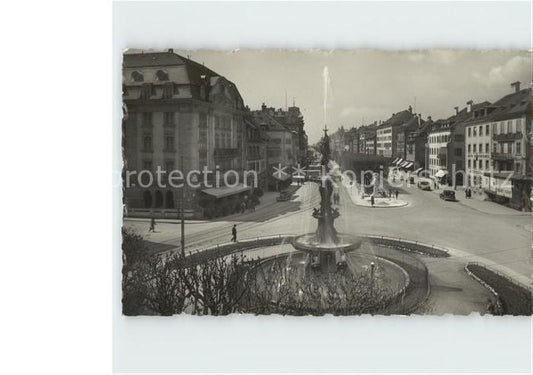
x: 447, y: 159
x: 416, y: 144
x: 293, y: 120
x: 478, y: 140
x: 389, y: 133
x: 511, y: 177
x: 181, y: 116
x: 256, y: 152
x: 282, y: 146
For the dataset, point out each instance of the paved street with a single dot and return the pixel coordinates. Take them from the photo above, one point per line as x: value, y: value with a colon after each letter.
x: 477, y: 230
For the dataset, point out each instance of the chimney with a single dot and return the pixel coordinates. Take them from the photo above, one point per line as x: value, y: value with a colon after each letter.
x: 419, y: 119
x: 429, y: 118
x: 469, y: 106
x: 263, y: 107
x: 516, y: 86
x: 456, y: 110
x: 410, y: 109
x: 170, y: 50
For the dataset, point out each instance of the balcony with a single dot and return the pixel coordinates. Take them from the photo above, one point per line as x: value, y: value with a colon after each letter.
x: 502, y: 156
x: 227, y: 152
x: 508, y: 136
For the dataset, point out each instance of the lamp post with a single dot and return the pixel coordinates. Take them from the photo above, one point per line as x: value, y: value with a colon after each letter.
x: 182, y: 209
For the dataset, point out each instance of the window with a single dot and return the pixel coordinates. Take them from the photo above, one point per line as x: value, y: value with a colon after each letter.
x: 469, y: 132
x: 487, y: 148
x: 169, y: 89
x: 469, y: 148
x: 147, y: 142
x: 487, y: 164
x: 169, y: 118
x: 475, y: 164
x: 458, y: 152
x: 169, y: 166
x: 518, y: 148
x: 147, y: 119
x: 501, y: 127
x: 481, y: 147
x: 480, y: 130
x: 169, y: 143
x: 487, y: 130
x: 469, y: 163
x: 147, y: 165
x: 137, y: 76
x: 475, y: 131
x: 474, y: 149
x: 161, y: 75
x: 519, y: 125
x: 147, y: 91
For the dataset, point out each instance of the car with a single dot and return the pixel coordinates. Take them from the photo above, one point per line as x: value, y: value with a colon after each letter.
x: 424, y: 185
x: 448, y: 195
x: 284, y: 196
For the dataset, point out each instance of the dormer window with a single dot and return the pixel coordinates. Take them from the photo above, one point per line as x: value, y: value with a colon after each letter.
x: 162, y: 75
x: 137, y: 76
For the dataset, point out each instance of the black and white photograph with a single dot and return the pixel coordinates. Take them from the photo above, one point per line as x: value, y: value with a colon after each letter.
x: 341, y: 182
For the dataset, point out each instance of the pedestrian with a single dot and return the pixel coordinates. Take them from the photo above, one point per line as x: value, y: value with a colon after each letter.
x: 396, y: 193
x: 372, y: 201
x: 152, y: 225
x: 234, y: 233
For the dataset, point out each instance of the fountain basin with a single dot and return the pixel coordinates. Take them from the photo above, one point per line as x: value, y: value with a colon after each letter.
x: 309, y: 243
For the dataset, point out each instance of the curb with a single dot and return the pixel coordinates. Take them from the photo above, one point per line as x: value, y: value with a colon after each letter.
x: 487, y: 286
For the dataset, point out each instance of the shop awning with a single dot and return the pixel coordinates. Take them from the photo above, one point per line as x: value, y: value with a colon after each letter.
x: 226, y: 191
x: 441, y: 173
x: 403, y: 164
x: 395, y: 160
x: 399, y: 161
x: 409, y: 165
x: 418, y: 170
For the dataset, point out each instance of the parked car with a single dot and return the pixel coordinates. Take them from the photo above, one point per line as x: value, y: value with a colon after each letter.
x: 284, y: 196
x: 424, y: 184
x: 448, y: 195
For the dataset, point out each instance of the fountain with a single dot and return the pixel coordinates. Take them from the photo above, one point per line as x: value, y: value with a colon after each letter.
x: 331, y: 272
x: 327, y: 248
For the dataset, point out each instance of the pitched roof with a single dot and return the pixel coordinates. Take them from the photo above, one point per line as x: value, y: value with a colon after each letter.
x: 513, y: 105
x: 397, y: 119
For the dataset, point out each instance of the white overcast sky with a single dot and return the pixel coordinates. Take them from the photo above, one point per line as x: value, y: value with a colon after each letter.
x: 368, y: 84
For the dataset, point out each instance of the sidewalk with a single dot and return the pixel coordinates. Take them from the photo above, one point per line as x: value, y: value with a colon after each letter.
x: 268, y: 199
x: 379, y: 202
x: 480, y: 203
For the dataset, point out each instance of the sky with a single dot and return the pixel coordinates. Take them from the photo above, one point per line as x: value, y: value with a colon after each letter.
x: 364, y: 86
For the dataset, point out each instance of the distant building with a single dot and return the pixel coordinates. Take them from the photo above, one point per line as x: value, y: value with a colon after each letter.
x: 283, y: 145
x: 256, y: 151
x: 389, y: 134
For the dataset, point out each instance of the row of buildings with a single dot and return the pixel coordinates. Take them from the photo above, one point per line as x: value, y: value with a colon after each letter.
x: 484, y: 145
x: 181, y: 115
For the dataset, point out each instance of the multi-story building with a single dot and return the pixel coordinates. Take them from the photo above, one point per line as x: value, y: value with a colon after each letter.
x: 293, y: 119
x: 282, y: 146
x: 478, y: 140
x: 387, y: 133
x: 416, y: 144
x: 510, y: 179
x: 446, y: 144
x: 181, y: 116
x: 256, y: 152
